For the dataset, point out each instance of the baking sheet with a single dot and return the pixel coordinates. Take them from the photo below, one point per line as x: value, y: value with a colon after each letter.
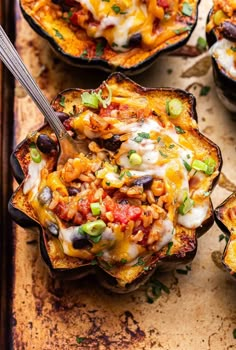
x: 199, y: 312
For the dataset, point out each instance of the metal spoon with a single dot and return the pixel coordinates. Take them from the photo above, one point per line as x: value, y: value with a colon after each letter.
x: 69, y: 148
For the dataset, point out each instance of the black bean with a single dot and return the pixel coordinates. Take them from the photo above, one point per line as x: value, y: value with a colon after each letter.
x: 45, y: 195
x: 81, y: 243
x: 112, y: 144
x: 53, y: 229
x: 123, y: 201
x: 229, y: 30
x: 45, y: 144
x: 62, y: 116
x: 135, y: 40
x: 73, y: 191
x: 144, y: 181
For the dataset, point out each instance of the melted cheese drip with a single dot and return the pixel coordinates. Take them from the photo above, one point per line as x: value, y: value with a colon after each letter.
x: 118, y: 20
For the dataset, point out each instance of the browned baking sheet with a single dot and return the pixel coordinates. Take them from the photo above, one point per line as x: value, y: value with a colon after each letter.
x: 200, y: 310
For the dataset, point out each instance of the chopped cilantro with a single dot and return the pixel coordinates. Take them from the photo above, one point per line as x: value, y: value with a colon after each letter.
x: 140, y: 262
x: 84, y: 53
x: 154, y: 290
x: 171, y: 146
x: 108, y: 183
x: 128, y: 173
x: 170, y: 244
x: 182, y: 30
x: 233, y: 48
x: 141, y: 136
x: 187, y: 9
x: 123, y: 261
x: 205, y: 90
x: 58, y: 34
x: 100, y: 48
x: 179, y: 130
x: 62, y: 101
x: 99, y: 254
x: 93, y: 262
x: 159, y: 139
x: 222, y: 236
x: 234, y: 333
x: 79, y: 340
x: 163, y: 154
x: 117, y: 10
x: 131, y: 152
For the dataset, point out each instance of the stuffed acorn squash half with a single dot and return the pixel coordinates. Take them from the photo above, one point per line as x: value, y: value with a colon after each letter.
x: 221, y: 37
x: 139, y: 197
x: 225, y: 215
x: 112, y: 35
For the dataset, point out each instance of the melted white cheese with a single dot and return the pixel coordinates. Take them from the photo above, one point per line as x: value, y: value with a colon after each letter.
x: 33, y: 178
x: 116, y: 21
x: 224, y: 56
x: 195, y: 217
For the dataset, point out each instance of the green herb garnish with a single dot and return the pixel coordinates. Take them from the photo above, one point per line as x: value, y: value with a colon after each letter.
x: 169, y: 246
x: 140, y: 262
x: 222, y: 236
x: 58, y: 34
x: 62, y: 101
x: 163, y: 154
x: 187, y: 166
x: 93, y: 99
x: 186, y: 206
x: 154, y: 290
x: 100, y: 48
x: 117, y: 10
x: 204, y: 90
x: 123, y: 261
x: 184, y: 271
x: 141, y: 136
x: 179, y: 130
x: 182, y: 30
x: 131, y: 152
x: 79, y: 340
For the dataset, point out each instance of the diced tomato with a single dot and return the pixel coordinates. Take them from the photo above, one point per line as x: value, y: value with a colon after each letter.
x: 109, y: 204
x: 105, y: 112
x: 125, y: 213
x: 61, y: 210
x: 83, y: 206
x: 163, y: 3
x: 74, y: 19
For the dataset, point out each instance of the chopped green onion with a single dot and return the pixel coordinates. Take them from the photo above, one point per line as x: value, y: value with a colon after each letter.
x: 163, y: 154
x: 135, y: 159
x: 79, y: 340
x: 95, y: 208
x: 131, y: 151
x: 187, y: 9
x: 140, y: 262
x: 144, y: 135
x: 211, y: 164
x: 62, y: 101
x: 35, y: 155
x: 96, y: 239
x: 201, y: 44
x: 186, y: 206
x: 174, y: 107
x: 199, y: 165
x: 182, y: 30
x: 154, y: 290
x: 94, y: 228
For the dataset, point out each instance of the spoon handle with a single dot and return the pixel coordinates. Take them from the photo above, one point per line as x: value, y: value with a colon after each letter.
x: 14, y: 63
